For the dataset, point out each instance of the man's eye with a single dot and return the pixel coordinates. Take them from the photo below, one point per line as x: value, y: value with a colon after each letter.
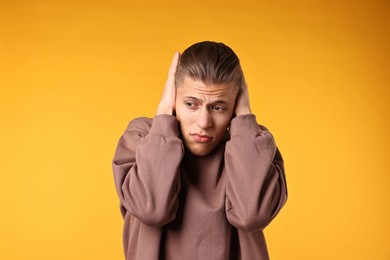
x: 189, y: 104
x: 218, y: 108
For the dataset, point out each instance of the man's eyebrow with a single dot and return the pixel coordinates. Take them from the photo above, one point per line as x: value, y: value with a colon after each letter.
x: 223, y: 102
x: 219, y: 101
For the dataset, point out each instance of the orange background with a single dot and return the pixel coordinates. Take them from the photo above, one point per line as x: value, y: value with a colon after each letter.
x: 73, y: 73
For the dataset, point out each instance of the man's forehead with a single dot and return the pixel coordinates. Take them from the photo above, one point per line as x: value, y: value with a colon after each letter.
x: 198, y: 89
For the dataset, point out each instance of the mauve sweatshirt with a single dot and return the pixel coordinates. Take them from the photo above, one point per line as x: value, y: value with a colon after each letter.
x: 177, y: 206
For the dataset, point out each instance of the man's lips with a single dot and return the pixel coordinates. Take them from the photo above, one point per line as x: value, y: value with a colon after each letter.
x: 201, y: 138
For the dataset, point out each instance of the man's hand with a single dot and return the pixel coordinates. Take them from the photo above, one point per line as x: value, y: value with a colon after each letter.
x: 242, y: 101
x: 168, y: 99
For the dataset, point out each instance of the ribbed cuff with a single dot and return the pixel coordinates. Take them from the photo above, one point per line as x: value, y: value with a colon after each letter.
x: 244, y: 125
x: 164, y: 125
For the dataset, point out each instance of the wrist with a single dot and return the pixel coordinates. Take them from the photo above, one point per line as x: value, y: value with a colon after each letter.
x: 243, y: 111
x: 164, y: 111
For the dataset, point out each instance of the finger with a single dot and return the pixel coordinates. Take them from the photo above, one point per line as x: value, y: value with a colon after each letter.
x: 173, y: 67
x: 170, y: 83
x: 244, y: 84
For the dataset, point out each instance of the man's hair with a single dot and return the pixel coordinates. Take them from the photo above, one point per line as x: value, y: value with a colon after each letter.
x: 212, y: 63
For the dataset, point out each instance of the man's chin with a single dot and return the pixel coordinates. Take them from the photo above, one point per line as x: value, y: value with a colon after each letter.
x: 199, y: 150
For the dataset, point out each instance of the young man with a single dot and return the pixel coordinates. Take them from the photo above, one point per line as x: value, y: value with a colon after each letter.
x: 201, y: 180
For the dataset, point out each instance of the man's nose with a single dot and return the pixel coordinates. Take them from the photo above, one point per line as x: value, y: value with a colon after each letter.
x: 204, y: 119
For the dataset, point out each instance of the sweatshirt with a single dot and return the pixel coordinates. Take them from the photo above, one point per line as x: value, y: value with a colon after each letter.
x: 179, y: 206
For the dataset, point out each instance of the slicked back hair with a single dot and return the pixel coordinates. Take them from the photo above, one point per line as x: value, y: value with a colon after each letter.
x: 212, y: 63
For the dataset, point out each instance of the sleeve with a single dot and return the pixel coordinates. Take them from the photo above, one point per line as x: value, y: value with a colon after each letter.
x: 146, y: 168
x: 256, y: 188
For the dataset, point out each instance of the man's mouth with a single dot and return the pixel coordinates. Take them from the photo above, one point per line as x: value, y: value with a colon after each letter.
x: 201, y: 138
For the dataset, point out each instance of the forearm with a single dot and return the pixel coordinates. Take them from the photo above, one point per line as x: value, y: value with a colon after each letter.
x: 256, y: 188
x: 151, y: 181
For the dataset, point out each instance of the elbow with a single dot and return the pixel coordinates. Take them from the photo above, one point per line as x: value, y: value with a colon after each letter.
x: 156, y: 220
x: 155, y: 211
x: 255, y: 220
x: 155, y: 217
x: 250, y: 223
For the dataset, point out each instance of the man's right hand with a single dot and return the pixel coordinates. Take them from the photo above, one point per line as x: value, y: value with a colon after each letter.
x: 168, y: 99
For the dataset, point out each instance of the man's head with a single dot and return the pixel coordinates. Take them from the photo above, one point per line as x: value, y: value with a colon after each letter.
x: 212, y: 63
x: 208, y: 79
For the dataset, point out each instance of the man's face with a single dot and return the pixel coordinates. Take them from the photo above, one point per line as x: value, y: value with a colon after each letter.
x: 204, y: 113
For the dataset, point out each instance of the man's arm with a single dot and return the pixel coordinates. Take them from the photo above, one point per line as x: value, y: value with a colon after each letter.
x: 146, y: 164
x: 256, y: 189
